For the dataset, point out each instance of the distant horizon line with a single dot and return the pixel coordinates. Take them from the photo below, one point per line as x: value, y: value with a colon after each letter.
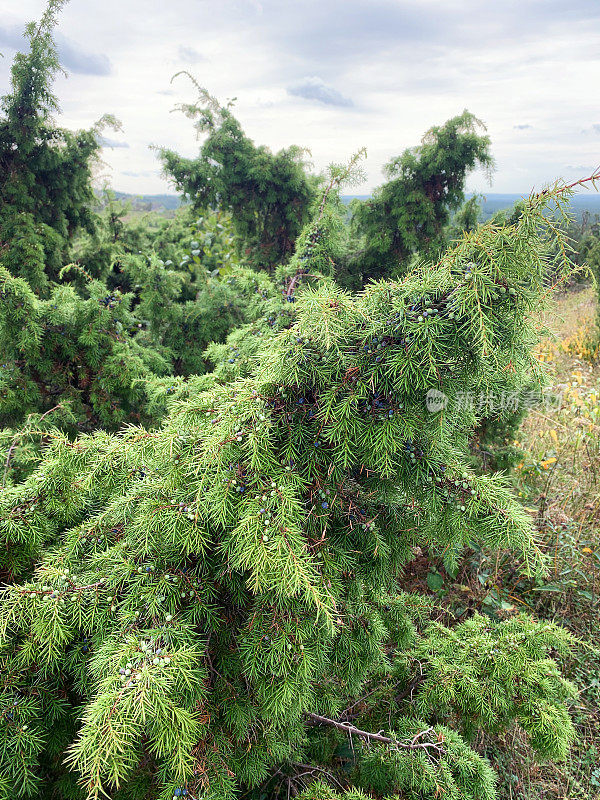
x: 578, y: 194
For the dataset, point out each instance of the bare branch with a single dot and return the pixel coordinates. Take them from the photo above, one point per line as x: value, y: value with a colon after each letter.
x: 352, y: 730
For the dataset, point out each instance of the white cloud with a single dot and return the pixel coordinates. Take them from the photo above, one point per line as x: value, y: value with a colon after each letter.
x: 403, y: 64
x: 316, y: 89
x: 106, y: 142
x: 73, y: 57
x: 190, y: 55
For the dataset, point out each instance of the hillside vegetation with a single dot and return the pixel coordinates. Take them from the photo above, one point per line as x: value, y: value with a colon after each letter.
x: 298, y: 498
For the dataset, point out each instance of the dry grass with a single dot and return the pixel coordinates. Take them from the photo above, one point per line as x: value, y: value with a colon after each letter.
x: 559, y: 479
x: 562, y: 444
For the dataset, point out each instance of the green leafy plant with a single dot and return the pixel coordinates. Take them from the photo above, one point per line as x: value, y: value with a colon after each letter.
x: 408, y: 215
x: 215, y: 608
x: 45, y: 171
x: 269, y: 195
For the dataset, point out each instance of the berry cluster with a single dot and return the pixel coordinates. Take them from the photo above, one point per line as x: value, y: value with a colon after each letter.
x: 378, y: 406
x: 110, y: 301
x: 457, y: 491
x: 152, y: 656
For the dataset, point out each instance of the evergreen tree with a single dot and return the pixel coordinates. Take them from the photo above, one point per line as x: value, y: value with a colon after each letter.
x: 321, y: 249
x: 117, y: 232
x: 465, y: 219
x: 45, y: 171
x: 90, y: 356
x: 79, y: 347
x: 215, y: 609
x: 69, y: 359
x: 408, y: 214
x: 269, y: 195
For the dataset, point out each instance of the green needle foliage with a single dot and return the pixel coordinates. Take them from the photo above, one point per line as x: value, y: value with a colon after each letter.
x: 185, y: 305
x: 116, y: 232
x: 409, y: 213
x: 87, y: 358
x: 269, y: 195
x: 264, y: 304
x: 465, y: 219
x: 70, y: 357
x: 214, y: 609
x: 183, y: 316
x: 45, y: 171
x: 320, y: 249
x: 79, y: 347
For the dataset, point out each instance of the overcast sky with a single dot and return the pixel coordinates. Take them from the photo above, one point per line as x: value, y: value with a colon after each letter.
x: 332, y: 76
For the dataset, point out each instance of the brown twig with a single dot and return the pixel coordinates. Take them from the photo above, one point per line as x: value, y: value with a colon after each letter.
x: 310, y: 769
x: 595, y: 176
x: 352, y: 730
